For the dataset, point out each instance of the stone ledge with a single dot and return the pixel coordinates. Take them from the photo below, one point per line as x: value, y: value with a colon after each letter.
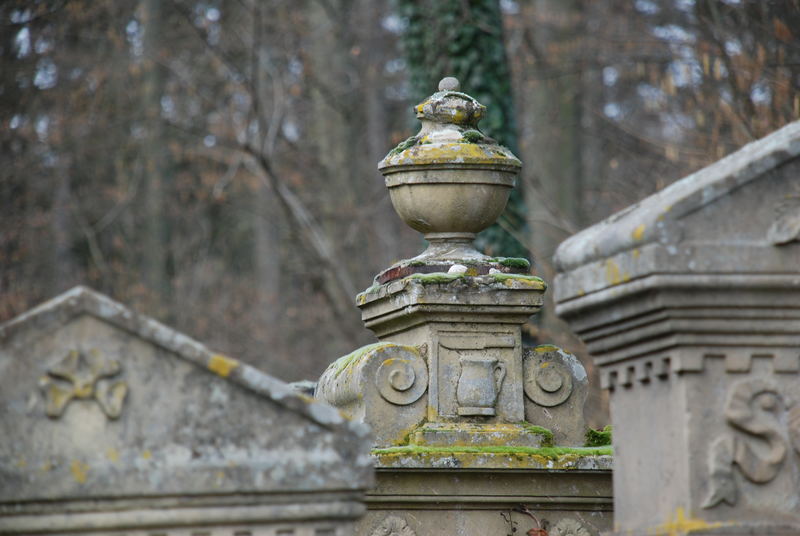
x: 494, y: 457
x: 177, y: 517
x: 461, y: 283
x: 446, y: 435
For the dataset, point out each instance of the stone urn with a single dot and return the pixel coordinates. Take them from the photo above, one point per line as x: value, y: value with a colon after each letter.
x: 450, y: 181
x: 479, y: 384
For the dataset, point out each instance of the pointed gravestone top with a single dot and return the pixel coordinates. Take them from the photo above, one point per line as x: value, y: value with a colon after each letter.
x: 97, y: 401
x: 687, y: 228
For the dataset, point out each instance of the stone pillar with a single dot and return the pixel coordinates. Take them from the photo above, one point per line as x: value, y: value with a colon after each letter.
x: 449, y: 391
x: 689, y: 302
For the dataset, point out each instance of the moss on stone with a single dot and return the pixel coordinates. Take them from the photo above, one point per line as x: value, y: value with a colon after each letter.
x: 435, y: 277
x: 515, y: 262
x: 530, y: 280
x: 598, y: 438
x: 343, y: 362
x: 403, y: 145
x: 472, y: 136
x: 546, y: 433
x: 552, y: 453
x: 373, y: 288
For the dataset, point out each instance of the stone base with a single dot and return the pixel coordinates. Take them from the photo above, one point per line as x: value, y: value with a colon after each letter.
x: 463, y: 434
x: 469, y: 494
x: 690, y: 528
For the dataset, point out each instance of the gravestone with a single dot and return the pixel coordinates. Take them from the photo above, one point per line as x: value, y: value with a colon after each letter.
x: 116, y: 424
x: 473, y: 432
x: 689, y: 302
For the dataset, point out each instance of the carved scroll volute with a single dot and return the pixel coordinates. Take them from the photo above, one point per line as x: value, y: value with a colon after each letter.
x: 380, y: 384
x: 548, y: 377
x: 403, y: 379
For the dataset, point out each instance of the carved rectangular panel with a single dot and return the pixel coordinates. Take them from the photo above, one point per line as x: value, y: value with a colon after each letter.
x: 475, y: 375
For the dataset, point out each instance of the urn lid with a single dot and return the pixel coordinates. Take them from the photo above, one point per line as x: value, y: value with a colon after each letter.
x: 449, y: 137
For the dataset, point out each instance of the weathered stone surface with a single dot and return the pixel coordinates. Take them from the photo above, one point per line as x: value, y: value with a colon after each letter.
x: 113, y: 422
x: 450, y: 181
x: 471, y: 494
x: 555, y: 387
x: 466, y: 330
x: 690, y: 303
x: 381, y: 385
x: 453, y: 398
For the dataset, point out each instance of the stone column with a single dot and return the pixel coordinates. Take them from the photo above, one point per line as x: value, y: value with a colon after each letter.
x: 689, y: 302
x: 465, y: 419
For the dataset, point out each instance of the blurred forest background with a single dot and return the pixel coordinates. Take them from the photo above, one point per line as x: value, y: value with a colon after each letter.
x: 213, y: 162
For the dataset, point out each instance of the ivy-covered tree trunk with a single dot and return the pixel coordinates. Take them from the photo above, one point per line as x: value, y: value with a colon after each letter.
x: 154, y: 220
x: 464, y: 38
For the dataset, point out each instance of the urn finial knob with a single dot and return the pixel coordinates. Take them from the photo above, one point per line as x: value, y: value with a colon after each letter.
x: 449, y: 83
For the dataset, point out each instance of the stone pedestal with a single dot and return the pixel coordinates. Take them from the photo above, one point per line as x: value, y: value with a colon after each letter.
x: 465, y: 419
x: 472, y: 493
x: 690, y: 304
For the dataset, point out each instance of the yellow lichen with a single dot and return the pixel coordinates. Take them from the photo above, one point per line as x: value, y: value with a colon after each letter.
x: 112, y: 454
x: 147, y: 455
x: 222, y: 365
x: 680, y: 525
x: 638, y: 233
x: 612, y: 273
x: 80, y: 471
x: 440, y: 153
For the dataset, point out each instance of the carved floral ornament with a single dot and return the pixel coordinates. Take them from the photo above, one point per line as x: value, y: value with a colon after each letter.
x: 754, y: 407
x: 570, y: 527
x: 786, y: 226
x: 83, y: 376
x: 393, y: 526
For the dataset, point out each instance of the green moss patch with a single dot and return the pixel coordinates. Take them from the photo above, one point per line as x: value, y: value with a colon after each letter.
x: 473, y: 136
x: 435, y: 277
x: 343, y: 362
x: 515, y: 262
x: 547, y: 435
x: 530, y: 280
x: 598, y: 438
x: 552, y: 453
x: 403, y: 145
